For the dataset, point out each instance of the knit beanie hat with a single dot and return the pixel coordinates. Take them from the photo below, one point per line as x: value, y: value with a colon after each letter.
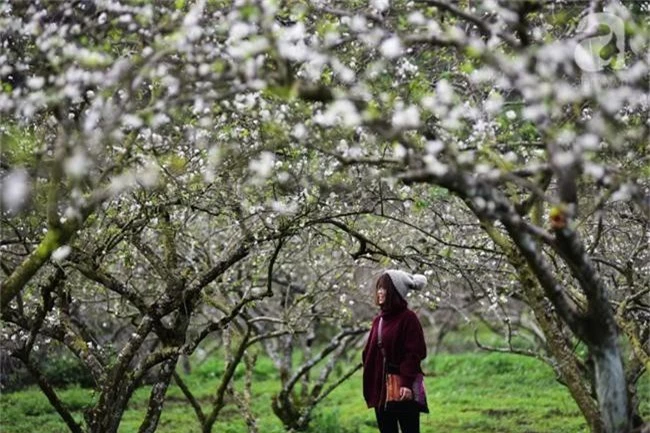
x: 403, y: 281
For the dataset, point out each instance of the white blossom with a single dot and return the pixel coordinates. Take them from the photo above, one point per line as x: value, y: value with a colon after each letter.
x: 191, y: 27
x: 284, y: 208
x: 345, y: 73
x: 61, y: 253
x: 493, y: 103
x: 341, y: 111
x: 391, y: 47
x: 434, y: 147
x: 159, y: 119
x: 444, y: 92
x: 148, y: 176
x: 248, y: 48
x: 534, y: 113
x: 563, y: 159
x: 588, y: 141
x: 434, y: 166
x: 132, y: 121
x: 262, y: 166
x: 565, y: 137
x: 77, y: 165
x: 406, y: 118
x: 240, y: 30
x: 596, y: 171
x: 623, y: 193
x: 291, y: 44
x: 122, y: 182
x: 358, y: 23
x: 314, y: 66
x: 429, y: 102
x: 380, y: 5
x: 417, y: 18
x: 299, y: 131
x: 433, y: 28
x: 35, y: 83
x: 15, y: 190
x: 399, y: 151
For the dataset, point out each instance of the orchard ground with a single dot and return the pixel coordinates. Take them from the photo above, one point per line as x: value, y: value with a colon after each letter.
x: 468, y: 392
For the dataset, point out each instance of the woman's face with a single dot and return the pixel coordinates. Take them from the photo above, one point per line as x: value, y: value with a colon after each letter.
x: 381, y: 295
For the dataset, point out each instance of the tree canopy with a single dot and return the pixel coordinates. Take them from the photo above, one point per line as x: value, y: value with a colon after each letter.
x: 180, y: 171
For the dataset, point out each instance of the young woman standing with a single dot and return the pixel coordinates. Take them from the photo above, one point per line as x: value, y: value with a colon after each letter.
x: 395, y: 346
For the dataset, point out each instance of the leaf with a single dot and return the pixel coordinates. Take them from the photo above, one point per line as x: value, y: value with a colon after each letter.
x: 283, y: 92
x: 467, y: 67
x: 249, y: 12
x: 421, y: 204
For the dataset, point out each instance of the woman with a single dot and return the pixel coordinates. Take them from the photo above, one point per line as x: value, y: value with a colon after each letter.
x: 402, y: 344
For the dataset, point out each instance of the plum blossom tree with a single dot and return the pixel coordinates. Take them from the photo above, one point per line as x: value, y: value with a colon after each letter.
x: 512, y: 125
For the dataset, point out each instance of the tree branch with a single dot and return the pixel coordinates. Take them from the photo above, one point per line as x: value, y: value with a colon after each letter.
x: 51, y: 395
x: 190, y: 398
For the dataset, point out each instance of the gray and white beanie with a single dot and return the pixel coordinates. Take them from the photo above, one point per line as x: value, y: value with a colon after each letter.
x: 403, y: 281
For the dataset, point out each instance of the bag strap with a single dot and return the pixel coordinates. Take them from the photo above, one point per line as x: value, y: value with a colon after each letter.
x: 380, y: 329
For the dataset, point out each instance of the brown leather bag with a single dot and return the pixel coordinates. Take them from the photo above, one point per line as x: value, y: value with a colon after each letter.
x: 393, y: 401
x: 392, y: 387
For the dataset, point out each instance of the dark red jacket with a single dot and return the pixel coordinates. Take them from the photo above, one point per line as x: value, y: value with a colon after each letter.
x: 403, y: 341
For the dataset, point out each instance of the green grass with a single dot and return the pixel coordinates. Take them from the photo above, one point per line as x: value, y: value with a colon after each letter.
x: 468, y: 393
x: 497, y: 393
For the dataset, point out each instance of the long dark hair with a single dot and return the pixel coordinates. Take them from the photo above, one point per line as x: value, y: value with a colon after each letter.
x: 393, y: 301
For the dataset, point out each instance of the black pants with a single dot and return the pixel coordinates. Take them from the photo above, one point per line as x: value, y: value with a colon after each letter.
x: 409, y: 421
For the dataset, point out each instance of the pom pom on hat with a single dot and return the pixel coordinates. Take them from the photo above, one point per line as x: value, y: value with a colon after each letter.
x: 403, y: 281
